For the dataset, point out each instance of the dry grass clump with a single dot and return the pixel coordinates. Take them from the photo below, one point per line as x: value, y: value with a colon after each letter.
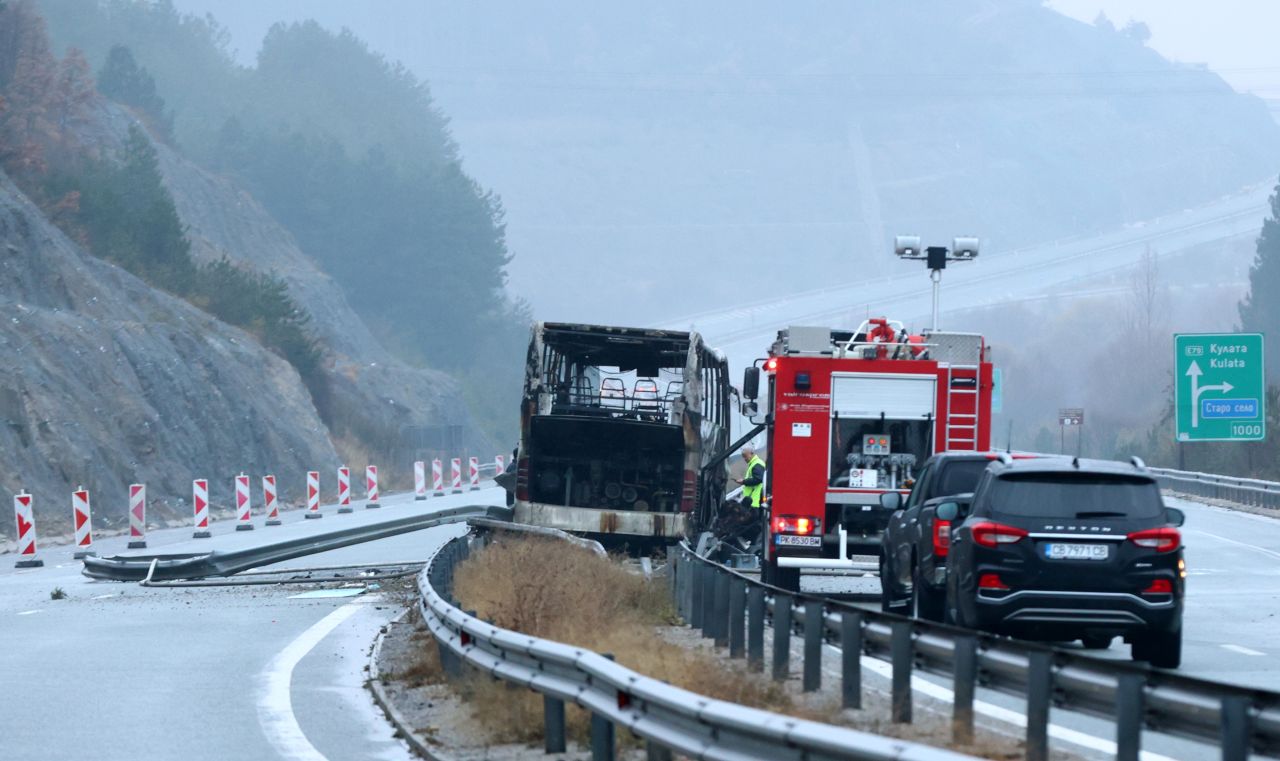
x: 550, y: 589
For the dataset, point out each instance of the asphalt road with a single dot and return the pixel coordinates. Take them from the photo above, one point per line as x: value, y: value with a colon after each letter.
x: 119, y: 671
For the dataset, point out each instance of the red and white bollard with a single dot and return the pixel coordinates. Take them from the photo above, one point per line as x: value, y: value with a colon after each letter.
x: 419, y: 480
x: 137, y: 516
x: 344, y: 489
x: 313, y: 494
x: 371, y: 481
x: 473, y: 469
x: 457, y: 475
x: 499, y: 465
x: 269, y: 500
x: 200, y: 504
x: 437, y: 478
x: 82, y: 519
x: 24, y: 513
x: 244, y: 504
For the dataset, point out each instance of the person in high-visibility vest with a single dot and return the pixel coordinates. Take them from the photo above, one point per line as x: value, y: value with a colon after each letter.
x: 753, y: 480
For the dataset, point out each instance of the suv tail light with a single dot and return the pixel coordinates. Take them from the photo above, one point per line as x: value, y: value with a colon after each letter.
x: 989, y: 534
x: 796, y: 524
x: 992, y: 581
x: 941, y: 538
x: 1165, y: 539
x: 1159, y: 587
x: 522, y: 479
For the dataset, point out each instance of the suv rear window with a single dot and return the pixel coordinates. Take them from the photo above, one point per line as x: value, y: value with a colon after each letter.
x: 960, y: 477
x: 1070, y: 495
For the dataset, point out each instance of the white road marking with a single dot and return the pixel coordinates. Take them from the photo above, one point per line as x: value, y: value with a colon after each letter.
x: 28, y: 612
x: 275, y: 705
x: 1241, y: 650
x: 999, y: 713
x: 1255, y: 548
x: 103, y: 597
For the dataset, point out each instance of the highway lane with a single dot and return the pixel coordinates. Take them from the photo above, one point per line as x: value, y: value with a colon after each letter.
x: 122, y: 671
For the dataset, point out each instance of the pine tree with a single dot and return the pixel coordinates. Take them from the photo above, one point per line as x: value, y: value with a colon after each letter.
x: 1260, y: 309
x: 124, y: 81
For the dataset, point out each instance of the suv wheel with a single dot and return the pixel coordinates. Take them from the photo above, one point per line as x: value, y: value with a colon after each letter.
x: 1162, y: 649
x: 888, y: 603
x: 931, y: 604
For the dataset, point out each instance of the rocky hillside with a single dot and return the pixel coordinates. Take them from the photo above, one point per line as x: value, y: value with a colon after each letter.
x: 108, y: 381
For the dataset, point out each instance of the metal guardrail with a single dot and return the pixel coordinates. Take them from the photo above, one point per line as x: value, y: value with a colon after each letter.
x: 202, y: 565
x: 1246, y: 491
x: 668, y: 718
x: 732, y: 609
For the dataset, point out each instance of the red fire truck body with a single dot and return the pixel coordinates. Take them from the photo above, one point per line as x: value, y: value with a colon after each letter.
x: 854, y: 415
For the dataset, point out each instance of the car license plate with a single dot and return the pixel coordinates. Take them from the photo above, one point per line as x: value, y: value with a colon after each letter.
x: 799, y: 541
x: 1057, y: 551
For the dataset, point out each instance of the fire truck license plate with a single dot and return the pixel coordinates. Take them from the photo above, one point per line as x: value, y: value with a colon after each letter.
x: 1075, y: 551
x: 799, y: 541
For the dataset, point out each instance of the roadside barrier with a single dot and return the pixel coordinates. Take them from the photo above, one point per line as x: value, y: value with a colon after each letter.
x: 437, y: 478
x: 344, y: 490
x: 419, y: 480
x: 371, y: 481
x: 82, y: 520
x: 731, y: 609
x: 200, y: 506
x: 137, y: 516
x: 244, y: 504
x: 269, y: 500
x: 24, y: 514
x: 499, y: 465
x: 473, y: 469
x: 1252, y: 492
x: 456, y: 462
x: 670, y: 720
x: 313, y: 494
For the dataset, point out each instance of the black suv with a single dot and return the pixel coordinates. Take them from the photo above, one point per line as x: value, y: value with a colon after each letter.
x: 913, y: 547
x: 1064, y: 549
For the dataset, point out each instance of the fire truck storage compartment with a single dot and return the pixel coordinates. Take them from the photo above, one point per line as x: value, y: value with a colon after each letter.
x: 896, y: 410
x: 606, y: 463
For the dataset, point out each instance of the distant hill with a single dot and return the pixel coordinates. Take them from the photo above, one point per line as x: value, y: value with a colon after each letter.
x: 662, y: 157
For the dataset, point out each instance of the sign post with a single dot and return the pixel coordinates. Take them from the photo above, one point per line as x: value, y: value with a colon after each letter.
x: 1219, y: 387
x: 1070, y: 417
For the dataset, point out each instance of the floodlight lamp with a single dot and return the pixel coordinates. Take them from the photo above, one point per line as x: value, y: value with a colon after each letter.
x: 964, y: 248
x: 906, y: 245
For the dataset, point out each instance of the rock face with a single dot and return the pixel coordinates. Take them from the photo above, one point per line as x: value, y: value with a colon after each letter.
x: 107, y: 381
x: 397, y: 411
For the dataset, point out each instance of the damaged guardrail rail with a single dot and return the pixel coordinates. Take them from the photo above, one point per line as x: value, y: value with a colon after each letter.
x: 669, y: 719
x: 732, y: 608
x: 202, y: 565
x: 1245, y: 491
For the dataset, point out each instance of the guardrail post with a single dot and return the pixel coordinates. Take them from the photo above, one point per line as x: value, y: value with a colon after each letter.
x: 695, y: 593
x: 655, y: 752
x: 965, y: 669
x: 553, y: 724
x: 708, y: 615
x: 721, y: 608
x: 900, y: 655
x: 781, y: 637
x: 1235, y: 728
x: 737, y: 613
x: 1039, y: 691
x: 755, y: 629
x: 851, y: 659
x: 603, y: 741
x: 1129, y: 710
x: 813, y: 645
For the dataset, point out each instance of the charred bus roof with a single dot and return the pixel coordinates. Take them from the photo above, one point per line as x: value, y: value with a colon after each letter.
x: 625, y: 348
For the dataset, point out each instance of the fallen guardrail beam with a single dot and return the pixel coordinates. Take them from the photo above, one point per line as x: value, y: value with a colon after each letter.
x: 176, y: 567
x: 670, y: 719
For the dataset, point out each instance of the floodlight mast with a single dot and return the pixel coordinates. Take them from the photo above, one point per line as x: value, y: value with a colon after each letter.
x: 935, y: 258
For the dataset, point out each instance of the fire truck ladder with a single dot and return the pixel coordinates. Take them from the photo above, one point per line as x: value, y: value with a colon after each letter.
x: 961, y: 430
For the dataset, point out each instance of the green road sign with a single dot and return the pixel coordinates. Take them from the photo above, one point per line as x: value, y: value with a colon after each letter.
x: 1219, y: 389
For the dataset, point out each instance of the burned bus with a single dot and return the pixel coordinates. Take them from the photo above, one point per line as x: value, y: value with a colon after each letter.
x: 618, y: 426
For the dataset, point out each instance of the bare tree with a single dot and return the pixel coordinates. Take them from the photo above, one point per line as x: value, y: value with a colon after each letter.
x: 1147, y: 307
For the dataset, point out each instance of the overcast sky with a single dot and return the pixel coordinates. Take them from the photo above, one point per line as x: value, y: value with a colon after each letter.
x: 1234, y: 37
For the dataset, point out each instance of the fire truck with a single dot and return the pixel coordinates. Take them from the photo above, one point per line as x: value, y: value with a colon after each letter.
x: 850, y: 416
